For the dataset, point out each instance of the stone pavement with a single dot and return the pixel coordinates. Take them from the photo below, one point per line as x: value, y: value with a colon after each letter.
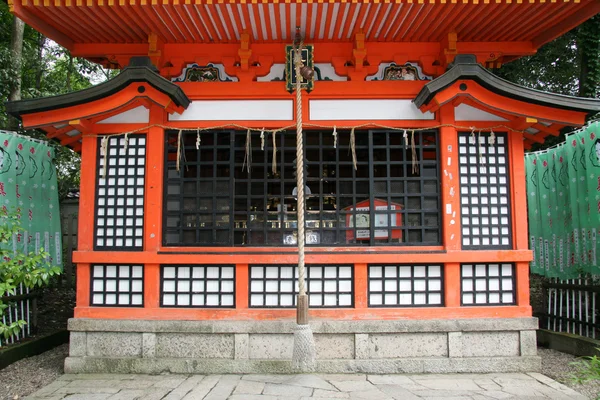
x: 300, y: 387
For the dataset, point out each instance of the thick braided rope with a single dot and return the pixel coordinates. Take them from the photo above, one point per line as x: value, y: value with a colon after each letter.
x: 300, y: 172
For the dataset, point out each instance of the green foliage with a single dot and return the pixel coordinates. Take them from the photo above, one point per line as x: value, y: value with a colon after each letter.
x: 47, y: 69
x: 587, y: 369
x: 16, y: 268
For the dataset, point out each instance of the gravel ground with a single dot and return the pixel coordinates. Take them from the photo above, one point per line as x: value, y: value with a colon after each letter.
x: 30, y: 374
x: 26, y: 376
x: 558, y: 366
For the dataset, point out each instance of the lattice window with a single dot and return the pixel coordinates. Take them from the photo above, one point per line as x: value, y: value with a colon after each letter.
x: 117, y: 285
x: 488, y: 284
x: 277, y: 286
x: 213, y: 200
x: 206, y: 286
x: 120, y: 195
x: 405, y: 285
x: 484, y: 192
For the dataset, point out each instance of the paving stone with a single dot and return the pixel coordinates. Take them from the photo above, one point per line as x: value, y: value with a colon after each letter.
x: 447, y: 393
x: 186, y: 386
x: 449, y: 384
x: 330, y: 394
x: 249, y: 387
x: 523, y: 391
x: 50, y: 389
x: 95, y: 396
x: 57, y: 397
x: 156, y: 394
x: 135, y: 384
x: 252, y: 397
x: 108, y: 377
x: 373, y: 394
x: 128, y: 395
x: 276, y: 389
x: 398, y: 392
x: 224, y: 387
x: 390, y: 380
x: 87, y: 390
x: 311, y: 381
x: 352, y: 386
x: 555, y: 385
x: 449, y: 398
x: 171, y: 382
x: 267, y: 378
x: 343, y: 377
x: 203, y: 387
x: 497, y: 394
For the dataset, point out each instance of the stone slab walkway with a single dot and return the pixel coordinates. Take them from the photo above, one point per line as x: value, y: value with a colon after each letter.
x: 300, y: 387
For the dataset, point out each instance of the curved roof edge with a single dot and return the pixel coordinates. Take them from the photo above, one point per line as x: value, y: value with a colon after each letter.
x: 465, y: 66
x: 131, y: 74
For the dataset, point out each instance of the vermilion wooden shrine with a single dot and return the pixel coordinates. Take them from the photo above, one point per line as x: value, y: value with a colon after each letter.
x: 417, y: 239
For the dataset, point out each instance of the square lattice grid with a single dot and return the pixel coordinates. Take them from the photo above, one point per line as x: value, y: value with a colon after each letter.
x: 214, y: 199
x: 205, y: 286
x: 328, y: 286
x: 488, y: 284
x: 484, y: 191
x: 120, y: 195
x: 405, y: 286
x: 117, y: 285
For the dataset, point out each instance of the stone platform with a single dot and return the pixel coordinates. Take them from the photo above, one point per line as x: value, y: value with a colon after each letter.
x: 305, y: 387
x: 398, y: 346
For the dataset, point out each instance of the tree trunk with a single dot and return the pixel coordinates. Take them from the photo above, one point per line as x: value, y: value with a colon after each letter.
x: 40, y: 62
x: 69, y: 72
x: 588, y: 44
x: 16, y: 48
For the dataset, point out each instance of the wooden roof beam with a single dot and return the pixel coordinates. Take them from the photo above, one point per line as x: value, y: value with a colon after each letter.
x: 17, y: 8
x: 585, y: 13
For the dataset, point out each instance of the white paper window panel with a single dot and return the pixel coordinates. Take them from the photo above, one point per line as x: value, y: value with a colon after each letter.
x: 198, y: 286
x: 269, y: 283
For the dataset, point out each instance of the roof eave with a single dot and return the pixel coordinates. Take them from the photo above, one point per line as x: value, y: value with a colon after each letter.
x: 129, y: 75
x: 465, y: 68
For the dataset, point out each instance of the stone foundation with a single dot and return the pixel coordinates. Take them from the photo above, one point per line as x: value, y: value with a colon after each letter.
x: 405, y: 346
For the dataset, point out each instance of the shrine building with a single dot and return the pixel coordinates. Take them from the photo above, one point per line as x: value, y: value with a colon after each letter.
x: 417, y: 245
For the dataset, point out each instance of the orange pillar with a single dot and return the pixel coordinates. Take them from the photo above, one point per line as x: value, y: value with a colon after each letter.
x: 86, y: 223
x: 522, y: 271
x: 450, y: 180
x: 155, y: 144
x: 241, y: 286
x: 518, y: 190
x: 87, y: 194
x: 83, y: 286
x: 361, y: 282
x: 451, y: 236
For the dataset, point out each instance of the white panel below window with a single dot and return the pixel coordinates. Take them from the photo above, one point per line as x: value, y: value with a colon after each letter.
x: 237, y: 110
x: 368, y: 109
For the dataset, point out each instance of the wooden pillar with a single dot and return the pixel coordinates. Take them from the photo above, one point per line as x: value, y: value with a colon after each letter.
x: 452, y: 285
x: 450, y: 187
x: 450, y: 180
x: 522, y: 278
x: 518, y: 187
x: 87, y: 194
x: 361, y: 289
x: 153, y: 204
x: 241, y: 286
x: 83, y: 285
